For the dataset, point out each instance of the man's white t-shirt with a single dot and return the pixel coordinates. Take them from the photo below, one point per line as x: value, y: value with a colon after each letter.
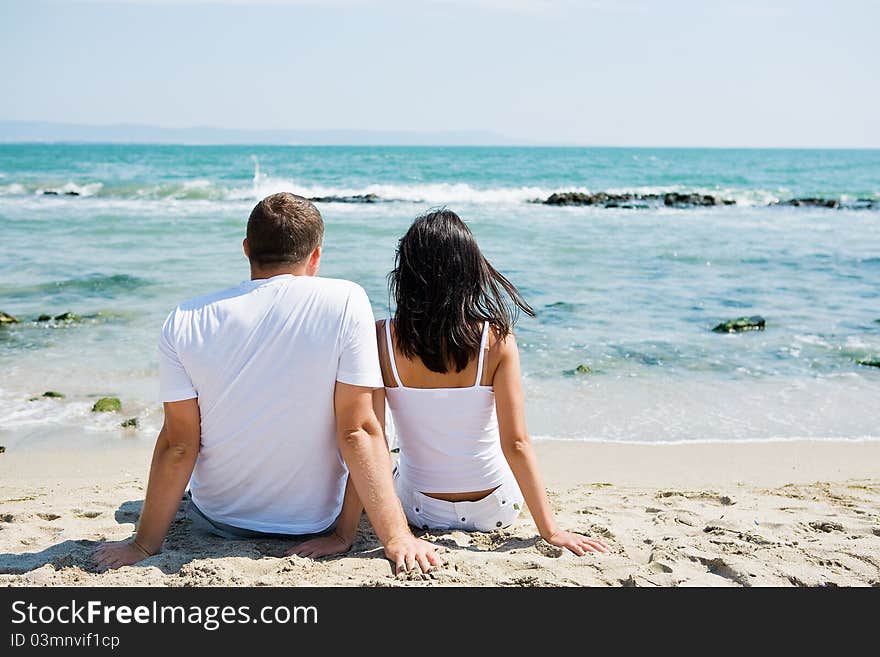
x: 263, y: 359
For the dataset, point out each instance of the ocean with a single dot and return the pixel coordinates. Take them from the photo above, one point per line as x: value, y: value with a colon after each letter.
x: 120, y: 234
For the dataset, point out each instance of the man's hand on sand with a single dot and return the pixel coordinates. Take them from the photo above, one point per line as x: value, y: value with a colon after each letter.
x: 117, y: 554
x: 406, y: 551
x: 576, y: 543
x: 323, y: 546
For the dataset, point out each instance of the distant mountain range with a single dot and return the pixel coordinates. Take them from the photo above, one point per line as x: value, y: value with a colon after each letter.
x: 130, y: 133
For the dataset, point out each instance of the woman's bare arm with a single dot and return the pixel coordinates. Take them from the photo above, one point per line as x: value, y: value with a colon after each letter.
x: 520, y: 455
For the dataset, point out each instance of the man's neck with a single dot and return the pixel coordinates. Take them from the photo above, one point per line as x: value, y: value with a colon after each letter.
x: 260, y: 274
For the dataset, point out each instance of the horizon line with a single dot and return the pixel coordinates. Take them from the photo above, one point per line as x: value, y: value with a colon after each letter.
x: 98, y: 142
x: 325, y: 137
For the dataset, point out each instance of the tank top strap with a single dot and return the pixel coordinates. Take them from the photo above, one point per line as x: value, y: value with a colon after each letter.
x: 390, y: 349
x: 482, y: 354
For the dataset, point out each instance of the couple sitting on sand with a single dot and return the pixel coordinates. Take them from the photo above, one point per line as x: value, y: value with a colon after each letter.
x: 275, y: 394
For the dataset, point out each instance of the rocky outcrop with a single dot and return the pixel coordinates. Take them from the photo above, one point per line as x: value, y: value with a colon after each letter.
x: 676, y: 200
x: 811, y: 202
x: 67, y: 317
x: 831, y: 203
x: 51, y: 394
x: 357, y: 198
x: 44, y: 318
x: 6, y: 318
x: 634, y: 200
x: 740, y: 324
x: 130, y: 423
x: 600, y: 198
x: 691, y: 200
x: 869, y: 362
x: 107, y: 405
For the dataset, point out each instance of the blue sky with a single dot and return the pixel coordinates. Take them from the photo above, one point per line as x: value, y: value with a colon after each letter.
x: 628, y: 72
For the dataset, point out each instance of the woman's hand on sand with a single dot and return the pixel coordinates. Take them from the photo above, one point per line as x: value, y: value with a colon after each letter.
x: 323, y: 546
x: 117, y: 554
x: 576, y: 543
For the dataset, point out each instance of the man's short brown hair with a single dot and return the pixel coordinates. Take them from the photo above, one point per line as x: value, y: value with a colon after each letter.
x: 283, y: 229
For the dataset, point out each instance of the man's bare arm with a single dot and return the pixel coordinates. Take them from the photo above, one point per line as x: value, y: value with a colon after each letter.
x: 174, y: 458
x: 363, y: 446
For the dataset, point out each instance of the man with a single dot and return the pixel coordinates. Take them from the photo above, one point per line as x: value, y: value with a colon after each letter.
x: 267, y: 389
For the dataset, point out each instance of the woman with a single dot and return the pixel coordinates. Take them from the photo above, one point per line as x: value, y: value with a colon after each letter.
x: 452, y: 378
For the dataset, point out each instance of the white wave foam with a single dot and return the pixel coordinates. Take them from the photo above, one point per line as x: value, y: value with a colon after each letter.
x: 428, y: 192
x: 263, y: 184
x: 813, y: 340
x: 88, y: 189
x: 13, y: 189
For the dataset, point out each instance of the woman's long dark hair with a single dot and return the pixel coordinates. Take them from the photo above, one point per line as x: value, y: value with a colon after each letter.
x: 444, y: 289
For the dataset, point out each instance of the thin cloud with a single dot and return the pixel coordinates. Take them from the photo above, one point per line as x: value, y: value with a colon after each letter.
x: 515, y: 6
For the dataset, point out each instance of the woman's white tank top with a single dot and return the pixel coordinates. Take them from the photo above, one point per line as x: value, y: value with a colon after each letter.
x: 448, y: 437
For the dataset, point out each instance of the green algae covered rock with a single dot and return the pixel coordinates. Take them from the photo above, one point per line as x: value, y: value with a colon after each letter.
x: 740, y: 324
x: 107, y: 405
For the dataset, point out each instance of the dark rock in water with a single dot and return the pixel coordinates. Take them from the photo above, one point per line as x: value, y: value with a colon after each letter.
x: 812, y: 202
x: 107, y: 405
x: 71, y: 193
x: 674, y: 199
x: 867, y: 362
x: 582, y: 369
x: 568, y: 198
x: 633, y: 200
x: 6, y: 318
x: 67, y: 317
x: 50, y: 192
x: 2, y: 449
x: 130, y: 423
x: 44, y: 318
x: 357, y: 198
x: 51, y: 394
x: 580, y: 198
x: 740, y: 324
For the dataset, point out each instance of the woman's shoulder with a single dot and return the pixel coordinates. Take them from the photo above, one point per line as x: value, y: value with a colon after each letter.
x: 498, y: 348
x: 500, y: 344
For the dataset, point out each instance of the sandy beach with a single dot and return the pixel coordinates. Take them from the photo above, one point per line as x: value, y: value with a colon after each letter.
x: 796, y: 513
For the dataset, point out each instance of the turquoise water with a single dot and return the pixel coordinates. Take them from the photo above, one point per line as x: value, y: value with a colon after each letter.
x: 632, y: 293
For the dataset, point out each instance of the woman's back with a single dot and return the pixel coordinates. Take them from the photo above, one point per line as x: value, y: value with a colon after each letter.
x: 446, y: 423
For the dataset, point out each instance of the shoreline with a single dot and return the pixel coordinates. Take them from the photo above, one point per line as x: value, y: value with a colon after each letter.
x: 709, y: 514
x: 563, y: 462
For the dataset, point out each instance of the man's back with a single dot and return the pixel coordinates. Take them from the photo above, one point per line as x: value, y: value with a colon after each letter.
x: 263, y: 359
